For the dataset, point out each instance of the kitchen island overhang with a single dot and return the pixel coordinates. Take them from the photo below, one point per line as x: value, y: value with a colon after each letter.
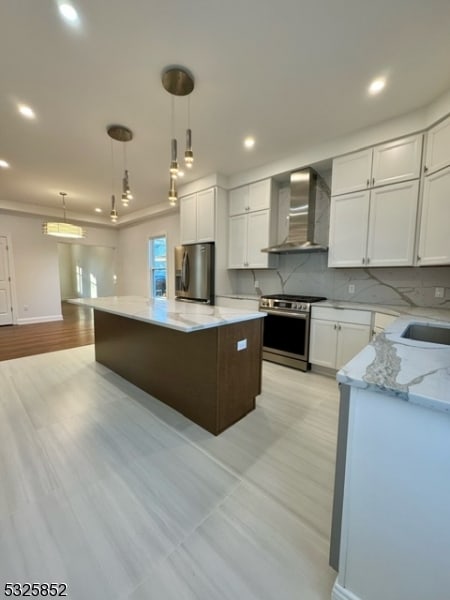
x: 203, y: 361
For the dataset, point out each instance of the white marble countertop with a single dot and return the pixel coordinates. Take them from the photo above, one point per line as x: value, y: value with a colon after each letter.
x: 183, y: 316
x: 415, y: 371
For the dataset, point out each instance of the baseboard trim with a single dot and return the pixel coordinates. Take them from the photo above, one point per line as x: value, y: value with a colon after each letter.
x: 31, y: 320
x: 341, y: 593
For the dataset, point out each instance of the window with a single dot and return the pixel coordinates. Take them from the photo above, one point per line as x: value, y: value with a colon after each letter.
x: 157, y: 249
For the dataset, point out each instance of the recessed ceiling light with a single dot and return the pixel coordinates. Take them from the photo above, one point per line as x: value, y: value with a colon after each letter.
x: 249, y: 142
x: 68, y: 12
x: 26, y: 111
x: 98, y: 210
x: 4, y: 164
x: 377, y: 85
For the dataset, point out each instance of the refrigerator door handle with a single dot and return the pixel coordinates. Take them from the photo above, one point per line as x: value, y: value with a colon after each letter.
x: 187, y: 273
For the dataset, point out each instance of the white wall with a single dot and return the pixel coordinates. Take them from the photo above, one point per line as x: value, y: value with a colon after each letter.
x: 133, y: 268
x: 35, y: 260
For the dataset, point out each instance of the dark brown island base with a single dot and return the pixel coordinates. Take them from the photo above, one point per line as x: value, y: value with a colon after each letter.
x: 212, y: 376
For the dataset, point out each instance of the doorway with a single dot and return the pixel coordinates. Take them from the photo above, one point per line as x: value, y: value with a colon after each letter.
x: 6, y: 304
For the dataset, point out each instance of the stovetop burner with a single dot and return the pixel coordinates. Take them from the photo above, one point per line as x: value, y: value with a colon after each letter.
x: 294, y: 298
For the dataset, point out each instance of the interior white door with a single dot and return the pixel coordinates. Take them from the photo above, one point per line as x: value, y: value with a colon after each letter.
x: 5, y: 285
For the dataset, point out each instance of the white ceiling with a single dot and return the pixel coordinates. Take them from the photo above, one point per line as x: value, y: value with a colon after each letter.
x: 292, y: 72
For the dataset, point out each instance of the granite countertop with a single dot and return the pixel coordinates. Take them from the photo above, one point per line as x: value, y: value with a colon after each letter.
x: 183, y: 316
x: 415, y: 371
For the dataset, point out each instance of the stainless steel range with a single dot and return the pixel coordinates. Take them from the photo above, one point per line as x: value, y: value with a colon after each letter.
x: 286, y: 329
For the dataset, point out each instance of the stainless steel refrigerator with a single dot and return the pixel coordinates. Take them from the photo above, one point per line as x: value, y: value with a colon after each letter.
x: 194, y: 272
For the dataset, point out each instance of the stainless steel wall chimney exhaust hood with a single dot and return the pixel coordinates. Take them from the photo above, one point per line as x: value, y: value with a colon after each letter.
x: 309, y: 215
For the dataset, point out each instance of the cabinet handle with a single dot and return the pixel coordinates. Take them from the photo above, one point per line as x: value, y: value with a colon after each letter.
x: 339, y: 327
x: 368, y: 182
x: 335, y: 326
x: 373, y: 180
x: 363, y: 260
x: 368, y: 260
x: 425, y: 169
x: 247, y: 208
x: 418, y: 259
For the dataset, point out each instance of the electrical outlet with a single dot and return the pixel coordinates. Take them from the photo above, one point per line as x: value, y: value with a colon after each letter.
x: 351, y: 288
x: 256, y: 284
x: 439, y: 292
x: 25, y: 308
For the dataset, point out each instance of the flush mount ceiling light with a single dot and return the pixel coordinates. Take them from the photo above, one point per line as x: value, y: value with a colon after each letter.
x: 4, y: 164
x: 26, y: 111
x: 249, y: 142
x: 63, y: 229
x: 178, y: 82
x: 377, y: 86
x: 120, y: 133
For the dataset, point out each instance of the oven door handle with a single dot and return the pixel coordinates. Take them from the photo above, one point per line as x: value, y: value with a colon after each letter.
x: 281, y: 313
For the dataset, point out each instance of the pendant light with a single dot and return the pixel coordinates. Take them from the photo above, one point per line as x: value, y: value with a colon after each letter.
x: 63, y: 228
x: 178, y: 82
x: 120, y: 133
x: 113, y: 214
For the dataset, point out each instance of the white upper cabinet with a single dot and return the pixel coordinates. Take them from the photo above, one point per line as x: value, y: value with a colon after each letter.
x: 206, y: 215
x: 397, y: 161
x: 352, y: 172
x: 197, y: 217
x: 438, y: 147
x: 248, y: 198
x: 392, y: 225
x: 252, y: 226
x: 349, y: 220
x: 188, y: 219
x: 384, y: 164
x: 434, y: 244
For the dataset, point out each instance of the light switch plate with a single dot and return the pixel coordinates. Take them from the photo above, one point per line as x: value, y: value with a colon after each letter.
x: 351, y: 288
x: 439, y: 292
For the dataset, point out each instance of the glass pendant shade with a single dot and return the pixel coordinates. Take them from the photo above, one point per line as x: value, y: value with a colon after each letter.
x: 188, y: 154
x: 113, y: 214
x: 174, y: 161
x: 63, y: 228
x: 173, y: 196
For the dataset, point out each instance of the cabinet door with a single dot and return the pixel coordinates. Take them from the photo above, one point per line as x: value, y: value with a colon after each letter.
x: 259, y: 196
x: 238, y: 201
x: 438, y: 147
x: 434, y: 246
x: 397, y: 161
x: 348, y: 230
x: 237, y: 242
x: 323, y: 343
x: 188, y: 219
x: 257, y: 238
x: 352, y: 339
x: 392, y: 224
x: 206, y: 215
x: 351, y: 172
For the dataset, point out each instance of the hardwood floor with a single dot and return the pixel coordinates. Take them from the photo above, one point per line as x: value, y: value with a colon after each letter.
x: 76, y: 329
x: 114, y: 493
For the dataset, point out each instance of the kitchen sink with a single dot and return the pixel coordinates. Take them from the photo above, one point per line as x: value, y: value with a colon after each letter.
x: 428, y: 333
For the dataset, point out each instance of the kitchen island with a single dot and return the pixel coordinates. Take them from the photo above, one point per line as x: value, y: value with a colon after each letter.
x: 395, y: 532
x: 204, y: 361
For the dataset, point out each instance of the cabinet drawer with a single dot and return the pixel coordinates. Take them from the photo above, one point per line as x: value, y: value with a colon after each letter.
x: 343, y: 315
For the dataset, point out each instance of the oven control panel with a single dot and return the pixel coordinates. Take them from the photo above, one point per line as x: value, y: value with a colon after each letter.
x: 272, y: 303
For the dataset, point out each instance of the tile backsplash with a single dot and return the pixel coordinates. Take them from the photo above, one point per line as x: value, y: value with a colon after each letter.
x: 309, y: 274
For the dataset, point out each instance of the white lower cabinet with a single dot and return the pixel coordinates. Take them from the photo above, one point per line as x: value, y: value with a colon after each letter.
x: 337, y: 335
